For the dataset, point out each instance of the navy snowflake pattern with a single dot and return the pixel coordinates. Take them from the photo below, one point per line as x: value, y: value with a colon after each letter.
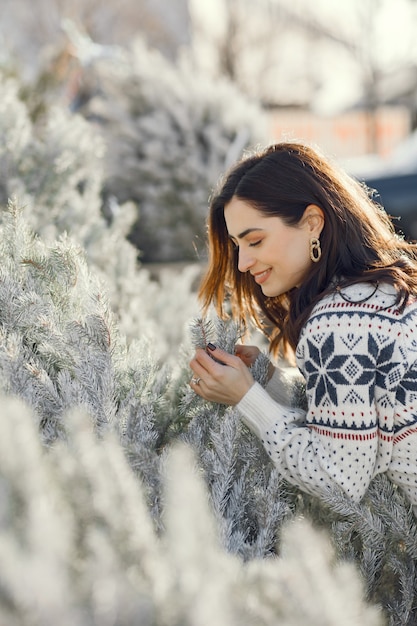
x: 330, y: 375
x: 323, y: 370
x: 407, y: 389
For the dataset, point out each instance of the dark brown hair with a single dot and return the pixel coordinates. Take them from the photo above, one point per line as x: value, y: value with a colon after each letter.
x: 358, y: 240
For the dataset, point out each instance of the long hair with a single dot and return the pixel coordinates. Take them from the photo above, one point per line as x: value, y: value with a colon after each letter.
x: 358, y: 240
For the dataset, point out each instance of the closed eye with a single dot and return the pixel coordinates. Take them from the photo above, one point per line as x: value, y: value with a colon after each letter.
x: 255, y: 243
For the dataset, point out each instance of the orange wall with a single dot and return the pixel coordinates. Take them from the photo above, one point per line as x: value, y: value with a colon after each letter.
x: 345, y: 135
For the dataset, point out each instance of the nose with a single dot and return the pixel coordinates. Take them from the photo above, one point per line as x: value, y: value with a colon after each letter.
x: 246, y: 260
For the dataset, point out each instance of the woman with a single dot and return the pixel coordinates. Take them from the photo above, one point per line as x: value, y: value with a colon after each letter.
x: 299, y: 248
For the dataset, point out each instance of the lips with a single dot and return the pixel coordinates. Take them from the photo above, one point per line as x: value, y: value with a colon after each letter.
x: 261, y: 277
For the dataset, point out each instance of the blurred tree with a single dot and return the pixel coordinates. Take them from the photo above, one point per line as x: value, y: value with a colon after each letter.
x: 33, y: 35
x: 281, y: 53
x: 370, y: 46
x: 325, y: 56
x: 170, y: 133
x: 250, y: 52
x: 54, y: 166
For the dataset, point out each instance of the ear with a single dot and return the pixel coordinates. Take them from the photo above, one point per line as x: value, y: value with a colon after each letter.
x: 313, y: 218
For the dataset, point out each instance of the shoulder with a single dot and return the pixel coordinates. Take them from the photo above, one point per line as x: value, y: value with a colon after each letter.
x: 371, y: 301
x: 365, y: 298
x: 365, y: 314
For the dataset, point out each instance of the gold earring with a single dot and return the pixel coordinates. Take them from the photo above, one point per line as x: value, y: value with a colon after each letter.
x: 315, y: 250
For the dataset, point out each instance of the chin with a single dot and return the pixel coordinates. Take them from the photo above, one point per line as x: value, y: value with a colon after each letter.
x: 271, y: 293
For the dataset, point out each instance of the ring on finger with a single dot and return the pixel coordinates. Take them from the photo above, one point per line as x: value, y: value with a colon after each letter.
x: 196, y: 380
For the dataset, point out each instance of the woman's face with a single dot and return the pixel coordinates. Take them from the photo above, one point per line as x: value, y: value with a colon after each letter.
x: 276, y: 255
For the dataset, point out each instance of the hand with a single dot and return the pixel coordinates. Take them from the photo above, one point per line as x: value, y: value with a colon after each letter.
x: 225, y: 382
x: 248, y: 354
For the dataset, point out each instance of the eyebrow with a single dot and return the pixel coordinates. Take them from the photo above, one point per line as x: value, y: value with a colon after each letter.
x: 246, y: 232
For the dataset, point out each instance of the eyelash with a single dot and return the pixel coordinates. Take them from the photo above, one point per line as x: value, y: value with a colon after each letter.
x: 251, y: 245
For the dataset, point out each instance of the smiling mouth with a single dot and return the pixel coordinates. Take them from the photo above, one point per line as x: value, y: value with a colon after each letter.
x: 262, y: 276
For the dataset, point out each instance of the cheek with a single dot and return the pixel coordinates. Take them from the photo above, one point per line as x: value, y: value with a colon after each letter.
x: 298, y: 257
x: 298, y: 249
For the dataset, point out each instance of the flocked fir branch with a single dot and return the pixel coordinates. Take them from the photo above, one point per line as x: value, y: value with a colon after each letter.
x: 78, y: 545
x: 54, y: 167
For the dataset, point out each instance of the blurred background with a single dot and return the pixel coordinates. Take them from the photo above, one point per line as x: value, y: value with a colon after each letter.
x: 177, y: 89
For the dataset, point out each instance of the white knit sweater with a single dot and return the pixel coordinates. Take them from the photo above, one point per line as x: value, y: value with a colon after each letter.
x: 358, y: 356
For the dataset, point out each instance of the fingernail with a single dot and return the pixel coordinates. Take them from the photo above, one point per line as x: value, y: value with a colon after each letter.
x: 211, y: 346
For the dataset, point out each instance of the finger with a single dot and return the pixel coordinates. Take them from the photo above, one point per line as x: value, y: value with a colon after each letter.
x: 222, y: 355
x: 247, y: 350
x: 248, y: 354
x: 201, y: 363
x: 247, y: 360
x: 198, y: 370
x: 195, y: 384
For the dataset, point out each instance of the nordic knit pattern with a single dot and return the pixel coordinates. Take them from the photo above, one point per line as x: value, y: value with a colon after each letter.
x: 358, y: 355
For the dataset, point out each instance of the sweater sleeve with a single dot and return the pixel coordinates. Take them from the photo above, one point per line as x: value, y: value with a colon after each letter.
x: 307, y: 457
x: 284, y: 385
x: 350, y: 373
